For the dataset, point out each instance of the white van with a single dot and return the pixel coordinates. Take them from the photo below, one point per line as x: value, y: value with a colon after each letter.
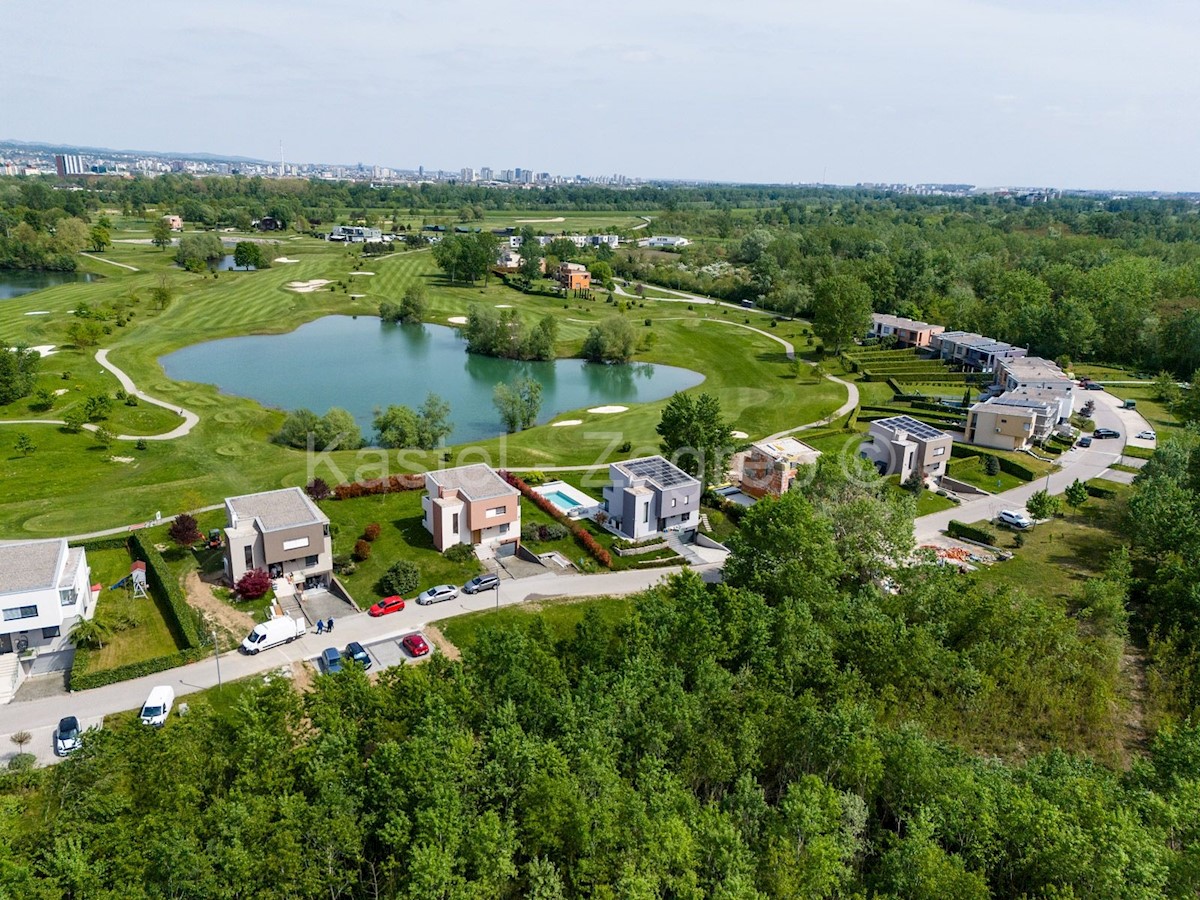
x: 158, y: 706
x: 1017, y: 518
x: 272, y: 633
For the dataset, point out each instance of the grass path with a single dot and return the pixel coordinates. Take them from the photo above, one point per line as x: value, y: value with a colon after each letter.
x: 111, y: 262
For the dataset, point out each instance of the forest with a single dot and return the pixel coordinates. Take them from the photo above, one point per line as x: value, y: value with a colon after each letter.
x: 794, y: 732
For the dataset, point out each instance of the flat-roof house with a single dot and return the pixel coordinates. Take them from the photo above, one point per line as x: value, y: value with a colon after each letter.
x: 664, y: 240
x: 45, y: 587
x: 472, y: 505
x: 650, y: 495
x: 1033, y: 372
x: 355, y: 234
x: 908, y: 332
x: 574, y: 277
x: 902, y: 445
x: 176, y: 222
x: 975, y: 351
x: 769, y: 467
x: 1011, y: 421
x: 282, y: 532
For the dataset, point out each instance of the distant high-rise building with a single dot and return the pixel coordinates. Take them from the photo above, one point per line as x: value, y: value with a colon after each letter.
x: 68, y: 164
x: 485, y: 174
x: 420, y: 171
x: 466, y: 175
x: 518, y: 174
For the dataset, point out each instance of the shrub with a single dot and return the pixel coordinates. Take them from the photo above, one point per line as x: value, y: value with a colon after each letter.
x: 141, y: 444
x: 362, y: 550
x: 971, y: 532
x: 402, y: 578
x: 991, y: 465
x: 184, y: 531
x: 253, y: 584
x: 371, y: 532
x: 343, y: 564
x: 317, y: 489
x: 460, y: 553
x: 1100, y: 489
x: 625, y: 447
x: 81, y: 680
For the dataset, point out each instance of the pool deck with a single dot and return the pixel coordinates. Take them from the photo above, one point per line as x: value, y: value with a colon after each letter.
x: 550, y: 488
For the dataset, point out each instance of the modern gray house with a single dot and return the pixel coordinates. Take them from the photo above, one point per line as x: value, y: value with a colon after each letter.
x: 650, y: 495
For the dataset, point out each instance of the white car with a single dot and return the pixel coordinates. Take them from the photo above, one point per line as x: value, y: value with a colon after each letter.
x: 1147, y: 436
x: 437, y: 594
x: 1017, y: 518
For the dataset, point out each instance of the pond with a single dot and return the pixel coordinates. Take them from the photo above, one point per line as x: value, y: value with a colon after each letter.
x: 17, y: 282
x: 360, y: 364
x: 226, y: 264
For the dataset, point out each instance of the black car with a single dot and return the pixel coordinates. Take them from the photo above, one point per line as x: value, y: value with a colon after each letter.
x: 1084, y: 441
x: 479, y: 583
x: 1101, y: 433
x: 358, y: 653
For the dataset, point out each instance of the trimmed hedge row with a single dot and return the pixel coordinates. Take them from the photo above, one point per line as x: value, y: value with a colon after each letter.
x: 582, y: 536
x: 119, y: 542
x: 161, y: 579
x: 970, y: 532
x: 84, y: 682
x: 391, y: 485
x: 1011, y: 466
x: 1138, y: 452
x: 1102, y: 488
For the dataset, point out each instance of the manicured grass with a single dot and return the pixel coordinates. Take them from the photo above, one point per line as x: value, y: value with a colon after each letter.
x: 1160, y: 417
x: 560, y: 617
x: 401, y: 536
x: 138, y: 629
x: 930, y: 502
x: 971, y: 471
x: 722, y: 526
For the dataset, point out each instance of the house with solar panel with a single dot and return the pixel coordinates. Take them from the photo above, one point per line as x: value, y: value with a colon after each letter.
x: 650, y: 495
x: 902, y: 445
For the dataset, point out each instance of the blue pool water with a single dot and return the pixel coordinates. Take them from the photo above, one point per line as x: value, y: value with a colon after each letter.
x: 562, y: 501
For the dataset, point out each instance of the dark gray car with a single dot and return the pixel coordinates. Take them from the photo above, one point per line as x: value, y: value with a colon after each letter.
x: 479, y: 583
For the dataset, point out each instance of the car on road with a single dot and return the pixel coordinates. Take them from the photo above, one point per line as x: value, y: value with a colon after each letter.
x: 356, y: 652
x: 479, y: 583
x: 66, y: 737
x: 1084, y: 441
x: 387, y: 605
x: 1101, y: 433
x: 158, y: 706
x: 1092, y: 386
x: 415, y: 644
x: 437, y: 594
x: 1017, y: 518
x: 1147, y: 436
x: 331, y: 660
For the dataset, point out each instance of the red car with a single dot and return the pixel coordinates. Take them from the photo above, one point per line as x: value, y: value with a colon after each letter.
x: 387, y: 605
x: 415, y: 644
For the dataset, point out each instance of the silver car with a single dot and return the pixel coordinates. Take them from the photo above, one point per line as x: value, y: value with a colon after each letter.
x: 437, y: 594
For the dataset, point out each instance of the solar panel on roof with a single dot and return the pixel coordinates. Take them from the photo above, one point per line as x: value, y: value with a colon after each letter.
x: 912, y: 426
x: 659, y: 470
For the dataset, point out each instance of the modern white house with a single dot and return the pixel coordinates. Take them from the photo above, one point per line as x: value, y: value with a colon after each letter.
x: 650, y: 495
x: 664, y: 240
x: 902, y: 445
x: 282, y: 532
x: 579, y: 240
x: 355, y: 234
x: 974, y: 351
x: 45, y: 587
x: 472, y: 505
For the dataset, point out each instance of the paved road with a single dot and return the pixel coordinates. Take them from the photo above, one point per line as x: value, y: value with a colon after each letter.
x: 39, y: 717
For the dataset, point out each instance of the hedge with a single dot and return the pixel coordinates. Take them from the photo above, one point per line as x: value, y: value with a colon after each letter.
x: 1102, y: 488
x: 970, y: 532
x: 119, y: 542
x: 80, y: 681
x: 582, y: 536
x: 1014, y: 468
x: 391, y: 485
x: 185, y: 619
x: 1138, y: 452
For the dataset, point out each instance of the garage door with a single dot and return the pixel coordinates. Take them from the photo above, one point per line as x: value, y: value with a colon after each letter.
x: 507, y: 549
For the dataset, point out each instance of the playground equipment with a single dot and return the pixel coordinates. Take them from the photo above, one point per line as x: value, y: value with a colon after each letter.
x: 137, y: 576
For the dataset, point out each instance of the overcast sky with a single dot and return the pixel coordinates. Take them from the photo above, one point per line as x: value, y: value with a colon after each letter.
x: 1064, y: 93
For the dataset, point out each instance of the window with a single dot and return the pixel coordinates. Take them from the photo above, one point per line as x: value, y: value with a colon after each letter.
x: 939, y: 451
x: 504, y: 528
x: 674, y: 503
x: 20, y: 612
x: 454, y: 523
x: 295, y: 543
x: 52, y: 632
x: 646, y: 513
x: 686, y: 499
x: 67, y: 596
x: 497, y: 511
x: 310, y: 561
x: 249, y: 553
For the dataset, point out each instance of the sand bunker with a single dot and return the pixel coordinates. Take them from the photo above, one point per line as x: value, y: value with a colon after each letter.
x: 457, y: 320
x: 42, y: 349
x: 284, y: 259
x: 121, y: 459
x: 357, y: 296
x: 566, y: 422
x: 60, y: 392
x: 307, y: 287
x: 608, y: 409
x: 537, y: 221
x: 39, y: 312
x: 503, y: 306
x: 738, y: 434
x: 361, y: 273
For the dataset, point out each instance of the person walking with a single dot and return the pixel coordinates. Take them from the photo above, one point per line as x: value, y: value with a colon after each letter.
x: 329, y: 624
x: 320, y: 627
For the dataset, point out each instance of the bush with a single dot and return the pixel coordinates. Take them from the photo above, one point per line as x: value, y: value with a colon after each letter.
x: 317, y: 489
x: 362, y: 550
x: 184, y: 531
x: 371, y: 532
x: 970, y: 532
x: 991, y: 465
x: 460, y: 553
x: 253, y: 584
x: 1100, y: 489
x: 343, y: 564
x: 402, y: 578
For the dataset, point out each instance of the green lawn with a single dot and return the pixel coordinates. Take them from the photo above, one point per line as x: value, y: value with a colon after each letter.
x: 137, y: 627
x: 971, y: 471
x: 559, y: 616
x: 1156, y: 413
x: 402, y: 536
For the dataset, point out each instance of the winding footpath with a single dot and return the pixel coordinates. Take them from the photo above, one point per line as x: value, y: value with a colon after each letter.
x: 111, y: 262
x: 190, y: 419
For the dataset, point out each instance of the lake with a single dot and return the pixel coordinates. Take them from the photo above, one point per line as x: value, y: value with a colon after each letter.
x: 18, y: 282
x: 360, y: 364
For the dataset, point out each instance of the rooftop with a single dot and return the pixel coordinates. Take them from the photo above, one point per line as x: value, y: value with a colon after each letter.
x: 901, y: 322
x: 30, y: 565
x: 1033, y: 367
x: 910, y: 426
x: 286, y: 508
x: 475, y: 482
x: 656, y: 470
x: 976, y: 341
x: 788, y: 449
x: 1029, y: 406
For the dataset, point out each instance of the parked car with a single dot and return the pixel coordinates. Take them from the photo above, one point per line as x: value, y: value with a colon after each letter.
x: 272, y: 633
x: 387, y: 605
x: 479, y: 583
x: 415, y: 644
x: 66, y: 737
x: 1102, y: 433
x: 358, y: 653
x: 1017, y: 518
x: 1147, y: 436
x: 331, y: 660
x: 1129, y: 404
x: 157, y: 706
x: 437, y: 594
x: 1084, y: 441
x: 1092, y: 386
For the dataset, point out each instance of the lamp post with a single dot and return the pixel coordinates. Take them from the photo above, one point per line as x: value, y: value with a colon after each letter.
x: 217, y: 657
x: 497, y: 592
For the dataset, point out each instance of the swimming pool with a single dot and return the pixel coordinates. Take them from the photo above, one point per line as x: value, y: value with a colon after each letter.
x: 561, y: 500
x: 565, y: 497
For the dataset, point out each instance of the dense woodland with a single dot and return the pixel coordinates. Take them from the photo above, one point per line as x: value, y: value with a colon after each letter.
x: 797, y: 732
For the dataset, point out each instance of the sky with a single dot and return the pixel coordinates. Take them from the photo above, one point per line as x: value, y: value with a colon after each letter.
x: 1058, y: 93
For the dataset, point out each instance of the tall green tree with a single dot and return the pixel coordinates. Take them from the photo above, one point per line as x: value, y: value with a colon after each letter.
x: 841, y: 311
x: 695, y: 436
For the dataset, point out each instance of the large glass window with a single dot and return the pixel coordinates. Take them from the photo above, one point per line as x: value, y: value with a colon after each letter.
x: 67, y: 596
x: 20, y: 612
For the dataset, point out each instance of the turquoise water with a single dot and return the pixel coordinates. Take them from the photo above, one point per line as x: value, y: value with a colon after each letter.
x: 561, y: 500
x: 360, y: 364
